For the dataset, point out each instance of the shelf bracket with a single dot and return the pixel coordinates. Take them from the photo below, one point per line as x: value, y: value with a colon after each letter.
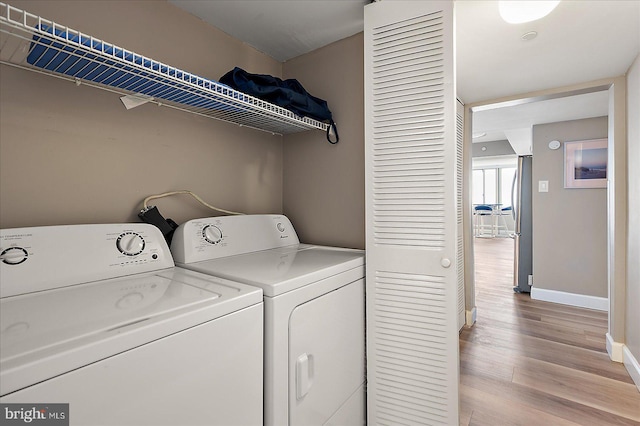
x: 132, y: 101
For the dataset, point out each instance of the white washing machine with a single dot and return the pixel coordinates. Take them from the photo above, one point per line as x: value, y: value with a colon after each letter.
x: 314, y: 312
x: 98, y: 317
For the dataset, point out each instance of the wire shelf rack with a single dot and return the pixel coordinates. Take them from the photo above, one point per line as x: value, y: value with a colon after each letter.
x: 30, y: 42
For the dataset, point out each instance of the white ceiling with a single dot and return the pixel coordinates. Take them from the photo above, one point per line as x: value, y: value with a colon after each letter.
x: 283, y: 29
x: 515, y: 123
x: 580, y: 41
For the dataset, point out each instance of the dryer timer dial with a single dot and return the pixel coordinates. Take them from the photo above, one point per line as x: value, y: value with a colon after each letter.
x: 14, y: 255
x: 130, y: 243
x: 212, y: 234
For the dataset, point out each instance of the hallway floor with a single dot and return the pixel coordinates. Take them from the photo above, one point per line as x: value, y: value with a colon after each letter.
x: 527, y: 362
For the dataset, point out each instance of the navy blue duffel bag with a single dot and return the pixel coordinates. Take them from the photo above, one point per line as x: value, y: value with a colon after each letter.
x: 288, y: 94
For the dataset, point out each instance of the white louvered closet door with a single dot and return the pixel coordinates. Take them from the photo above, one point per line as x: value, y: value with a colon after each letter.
x: 411, y: 223
x: 459, y: 213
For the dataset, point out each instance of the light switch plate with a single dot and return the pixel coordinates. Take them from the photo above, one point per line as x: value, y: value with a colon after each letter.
x: 543, y: 186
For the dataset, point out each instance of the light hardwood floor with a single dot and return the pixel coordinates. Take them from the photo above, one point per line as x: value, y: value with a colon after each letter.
x: 527, y: 362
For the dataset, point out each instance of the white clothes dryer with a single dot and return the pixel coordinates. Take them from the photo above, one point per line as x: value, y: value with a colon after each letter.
x: 314, y: 312
x: 98, y: 317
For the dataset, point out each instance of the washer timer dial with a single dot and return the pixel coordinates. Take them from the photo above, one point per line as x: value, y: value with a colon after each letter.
x: 130, y: 243
x: 212, y: 234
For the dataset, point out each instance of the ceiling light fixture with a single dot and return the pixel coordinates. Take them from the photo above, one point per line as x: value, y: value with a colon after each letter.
x: 518, y: 12
x: 478, y: 135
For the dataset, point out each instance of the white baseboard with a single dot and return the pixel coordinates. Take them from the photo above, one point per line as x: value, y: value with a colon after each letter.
x: 614, y: 349
x: 471, y: 317
x: 632, y: 366
x: 579, y: 300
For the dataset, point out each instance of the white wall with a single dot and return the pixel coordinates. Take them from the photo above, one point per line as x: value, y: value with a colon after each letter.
x: 632, y: 320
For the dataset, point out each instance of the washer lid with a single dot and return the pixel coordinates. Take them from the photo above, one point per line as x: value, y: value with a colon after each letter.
x: 280, y: 270
x: 51, y: 332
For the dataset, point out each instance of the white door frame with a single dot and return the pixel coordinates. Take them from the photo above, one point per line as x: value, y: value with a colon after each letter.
x: 616, y: 198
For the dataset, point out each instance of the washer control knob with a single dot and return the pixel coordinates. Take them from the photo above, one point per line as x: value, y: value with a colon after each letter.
x: 130, y: 243
x: 212, y: 234
x: 14, y: 255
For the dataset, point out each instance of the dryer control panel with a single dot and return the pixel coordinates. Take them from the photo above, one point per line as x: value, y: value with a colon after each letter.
x: 216, y: 237
x: 47, y: 257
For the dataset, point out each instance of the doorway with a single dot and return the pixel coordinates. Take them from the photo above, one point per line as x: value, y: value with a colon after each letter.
x: 493, y: 196
x: 613, y: 90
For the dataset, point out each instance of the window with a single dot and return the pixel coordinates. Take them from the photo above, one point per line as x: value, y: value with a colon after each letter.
x: 478, y: 187
x: 493, y: 185
x: 507, y: 175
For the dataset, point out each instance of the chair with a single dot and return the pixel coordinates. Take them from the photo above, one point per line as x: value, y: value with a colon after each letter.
x: 503, y: 224
x: 480, y: 212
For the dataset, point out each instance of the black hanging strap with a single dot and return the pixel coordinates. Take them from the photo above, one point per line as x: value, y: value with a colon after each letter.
x: 333, y: 129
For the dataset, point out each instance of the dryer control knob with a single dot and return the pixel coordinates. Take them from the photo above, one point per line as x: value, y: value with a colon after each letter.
x: 212, y: 234
x: 130, y: 243
x: 14, y: 255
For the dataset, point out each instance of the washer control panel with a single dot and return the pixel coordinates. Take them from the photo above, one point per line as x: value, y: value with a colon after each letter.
x: 215, y: 237
x: 42, y: 258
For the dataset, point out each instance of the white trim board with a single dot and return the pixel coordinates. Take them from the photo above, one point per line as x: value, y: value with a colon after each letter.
x: 579, y: 300
x: 632, y: 366
x: 471, y: 317
x: 614, y: 349
x: 619, y: 352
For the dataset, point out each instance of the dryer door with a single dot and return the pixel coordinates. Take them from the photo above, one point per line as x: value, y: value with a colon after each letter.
x: 326, y: 358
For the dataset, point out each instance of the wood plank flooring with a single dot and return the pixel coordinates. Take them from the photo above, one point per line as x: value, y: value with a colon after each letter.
x: 528, y: 362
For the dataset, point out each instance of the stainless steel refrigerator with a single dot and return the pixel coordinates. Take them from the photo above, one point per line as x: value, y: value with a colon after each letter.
x: 521, y: 199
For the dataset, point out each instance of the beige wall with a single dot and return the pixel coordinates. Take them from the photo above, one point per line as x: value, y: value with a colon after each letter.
x: 569, y: 225
x: 632, y: 320
x: 74, y: 154
x: 324, y: 183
